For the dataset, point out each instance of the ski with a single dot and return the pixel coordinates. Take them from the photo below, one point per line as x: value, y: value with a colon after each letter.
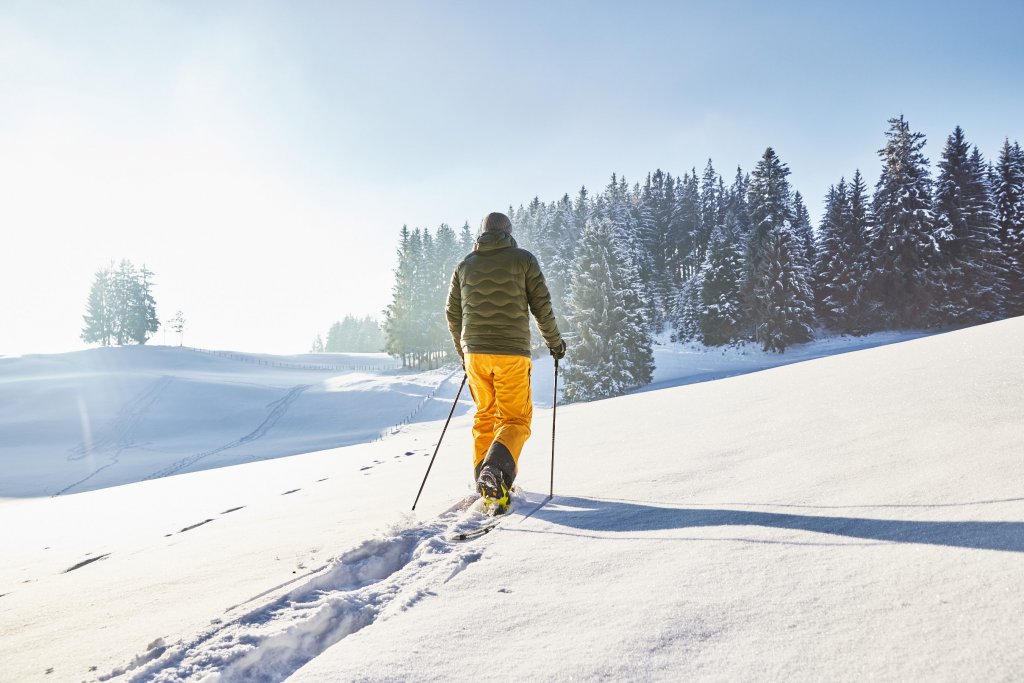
x: 476, y: 520
x: 475, y: 533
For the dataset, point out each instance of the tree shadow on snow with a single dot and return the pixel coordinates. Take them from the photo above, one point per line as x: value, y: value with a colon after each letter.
x: 589, y: 514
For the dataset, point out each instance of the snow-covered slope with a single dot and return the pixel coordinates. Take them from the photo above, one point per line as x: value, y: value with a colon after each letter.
x: 83, y: 421
x: 858, y: 516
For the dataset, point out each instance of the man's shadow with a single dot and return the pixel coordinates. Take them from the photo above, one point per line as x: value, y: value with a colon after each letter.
x: 598, y: 515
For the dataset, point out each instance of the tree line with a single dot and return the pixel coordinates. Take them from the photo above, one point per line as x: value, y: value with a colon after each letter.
x: 351, y: 335
x: 729, y: 263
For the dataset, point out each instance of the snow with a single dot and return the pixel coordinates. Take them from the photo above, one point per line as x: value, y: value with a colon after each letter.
x: 112, y: 416
x: 855, y: 516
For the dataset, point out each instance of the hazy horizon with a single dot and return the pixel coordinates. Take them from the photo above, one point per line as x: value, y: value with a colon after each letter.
x: 261, y: 158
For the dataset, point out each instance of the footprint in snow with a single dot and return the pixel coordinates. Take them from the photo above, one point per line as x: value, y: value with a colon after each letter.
x: 195, y: 526
x: 85, y: 562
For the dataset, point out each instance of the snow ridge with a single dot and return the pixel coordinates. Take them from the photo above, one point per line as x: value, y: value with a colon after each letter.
x: 379, y: 578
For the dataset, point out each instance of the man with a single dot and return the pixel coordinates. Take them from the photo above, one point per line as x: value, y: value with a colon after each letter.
x: 492, y: 293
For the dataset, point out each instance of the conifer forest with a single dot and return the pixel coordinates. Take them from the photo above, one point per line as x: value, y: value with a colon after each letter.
x: 727, y: 259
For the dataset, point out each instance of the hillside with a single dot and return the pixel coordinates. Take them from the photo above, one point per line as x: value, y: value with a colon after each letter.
x: 857, y: 516
x: 87, y: 420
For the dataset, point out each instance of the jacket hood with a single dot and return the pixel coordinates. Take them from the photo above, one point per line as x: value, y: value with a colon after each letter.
x: 492, y: 241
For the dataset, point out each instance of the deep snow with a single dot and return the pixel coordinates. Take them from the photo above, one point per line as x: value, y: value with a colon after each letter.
x: 858, y: 516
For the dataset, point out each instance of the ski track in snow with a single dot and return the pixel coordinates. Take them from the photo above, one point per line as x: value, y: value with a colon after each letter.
x: 121, y: 434
x: 375, y: 580
x: 277, y: 410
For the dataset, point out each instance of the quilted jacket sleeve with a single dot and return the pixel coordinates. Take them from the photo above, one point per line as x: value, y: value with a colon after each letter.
x: 453, y: 311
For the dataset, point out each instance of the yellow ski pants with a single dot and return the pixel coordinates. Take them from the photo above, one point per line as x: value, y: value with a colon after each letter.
x: 500, y: 385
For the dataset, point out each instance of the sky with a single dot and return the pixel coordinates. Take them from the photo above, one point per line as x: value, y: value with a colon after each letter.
x: 261, y: 157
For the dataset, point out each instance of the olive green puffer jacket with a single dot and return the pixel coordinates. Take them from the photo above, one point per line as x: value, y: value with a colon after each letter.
x: 493, y: 291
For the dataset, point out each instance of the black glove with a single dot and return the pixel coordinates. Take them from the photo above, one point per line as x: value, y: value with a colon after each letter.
x: 558, y: 352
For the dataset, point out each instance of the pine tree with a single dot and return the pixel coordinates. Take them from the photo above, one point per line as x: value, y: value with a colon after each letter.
x: 99, y: 322
x: 844, y: 258
x: 769, y: 202
x: 399, y: 316
x: 721, y: 315
x: 1008, y: 190
x: 736, y: 202
x: 466, y: 239
x: 972, y: 261
x: 770, y: 206
x: 803, y: 231
x: 141, y: 315
x: 711, y: 211
x: 688, y: 308
x: 688, y: 228
x: 612, y: 352
x: 782, y: 297
x: 618, y: 209
x: 657, y: 234
x: 904, y: 280
x: 178, y: 326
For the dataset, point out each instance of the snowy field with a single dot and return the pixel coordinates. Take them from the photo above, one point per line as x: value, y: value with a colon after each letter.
x: 82, y: 421
x: 856, y: 516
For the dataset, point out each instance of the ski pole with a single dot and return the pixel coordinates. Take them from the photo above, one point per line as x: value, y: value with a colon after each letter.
x: 554, y: 409
x: 440, y: 440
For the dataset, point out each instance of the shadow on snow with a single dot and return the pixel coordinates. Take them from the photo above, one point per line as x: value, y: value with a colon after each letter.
x: 597, y: 515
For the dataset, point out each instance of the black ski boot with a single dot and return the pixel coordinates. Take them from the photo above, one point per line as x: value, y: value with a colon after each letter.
x: 492, y: 489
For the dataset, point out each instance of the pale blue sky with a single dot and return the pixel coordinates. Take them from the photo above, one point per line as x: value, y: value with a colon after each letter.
x: 261, y: 157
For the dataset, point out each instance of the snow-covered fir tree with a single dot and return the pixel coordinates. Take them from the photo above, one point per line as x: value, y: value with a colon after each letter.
x: 974, y: 265
x: 711, y: 209
x: 770, y: 206
x: 843, y: 263
x: 619, y: 209
x: 783, y: 301
x: 1008, y: 190
x: 687, y: 228
x: 611, y: 352
x: 466, y: 239
x: 803, y: 231
x: 658, y: 193
x: 99, y: 316
x: 687, y: 309
x: 904, y: 280
x: 721, y: 315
